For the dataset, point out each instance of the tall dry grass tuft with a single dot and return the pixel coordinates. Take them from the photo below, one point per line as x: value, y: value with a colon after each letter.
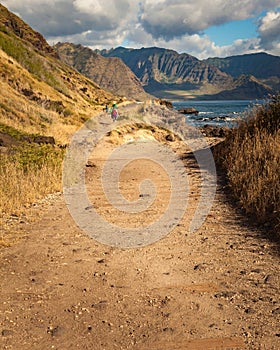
x: 27, y: 174
x: 251, y: 158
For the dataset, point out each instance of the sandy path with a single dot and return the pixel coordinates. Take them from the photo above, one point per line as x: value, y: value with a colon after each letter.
x: 215, y: 289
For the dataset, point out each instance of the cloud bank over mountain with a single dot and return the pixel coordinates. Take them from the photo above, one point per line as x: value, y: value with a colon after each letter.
x: 177, y: 24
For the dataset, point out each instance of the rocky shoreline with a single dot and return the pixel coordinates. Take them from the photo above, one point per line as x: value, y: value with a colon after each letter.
x: 215, y: 131
x: 207, y: 129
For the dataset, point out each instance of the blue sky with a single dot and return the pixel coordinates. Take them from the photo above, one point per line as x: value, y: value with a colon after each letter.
x: 221, y: 28
x: 227, y: 33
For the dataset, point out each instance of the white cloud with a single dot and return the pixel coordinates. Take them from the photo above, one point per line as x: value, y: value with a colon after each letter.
x: 173, y: 18
x: 199, y: 46
x: 93, y: 6
x: 72, y: 17
x: 175, y: 24
x: 269, y: 32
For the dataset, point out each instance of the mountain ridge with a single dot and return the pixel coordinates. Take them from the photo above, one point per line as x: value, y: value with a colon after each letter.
x: 251, y: 64
x: 263, y: 66
x: 110, y: 73
x: 167, y: 73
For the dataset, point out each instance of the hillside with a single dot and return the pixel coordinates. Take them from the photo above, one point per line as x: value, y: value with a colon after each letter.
x: 248, y: 84
x: 42, y: 103
x: 23, y: 31
x: 39, y: 93
x: 263, y: 66
x: 167, y: 66
x: 157, y: 68
x: 166, y: 73
x: 110, y: 73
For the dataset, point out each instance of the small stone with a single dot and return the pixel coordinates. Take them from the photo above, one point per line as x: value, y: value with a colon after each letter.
x: 55, y: 331
x: 168, y: 329
x: 170, y: 137
x: 268, y: 279
x: 249, y: 310
x: 7, y: 332
x: 90, y: 164
x: 198, y: 267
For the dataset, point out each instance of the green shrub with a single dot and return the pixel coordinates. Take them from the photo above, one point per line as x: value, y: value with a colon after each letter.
x: 34, y: 63
x: 33, y: 156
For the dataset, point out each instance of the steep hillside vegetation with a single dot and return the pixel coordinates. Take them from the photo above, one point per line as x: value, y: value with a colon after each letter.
x: 23, y: 31
x: 110, y: 73
x: 166, y: 73
x: 39, y: 93
x: 42, y: 103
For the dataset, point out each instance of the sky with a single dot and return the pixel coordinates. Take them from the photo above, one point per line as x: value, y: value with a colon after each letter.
x: 202, y: 28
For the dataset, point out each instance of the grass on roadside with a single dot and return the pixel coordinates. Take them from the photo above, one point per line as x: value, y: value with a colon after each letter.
x: 251, y: 159
x: 28, y: 173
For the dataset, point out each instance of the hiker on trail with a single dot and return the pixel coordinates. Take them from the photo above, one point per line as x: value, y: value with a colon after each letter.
x: 114, y: 112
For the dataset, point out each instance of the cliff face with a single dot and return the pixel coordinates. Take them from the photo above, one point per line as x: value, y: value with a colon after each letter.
x: 168, y: 66
x: 166, y: 73
x: 110, y: 73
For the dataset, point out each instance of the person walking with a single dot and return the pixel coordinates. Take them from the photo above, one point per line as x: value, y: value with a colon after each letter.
x: 114, y: 112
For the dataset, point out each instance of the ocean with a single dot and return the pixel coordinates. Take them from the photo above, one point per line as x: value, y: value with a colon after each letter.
x: 216, y: 113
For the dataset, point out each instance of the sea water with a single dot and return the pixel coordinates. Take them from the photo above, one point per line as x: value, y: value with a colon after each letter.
x: 216, y: 113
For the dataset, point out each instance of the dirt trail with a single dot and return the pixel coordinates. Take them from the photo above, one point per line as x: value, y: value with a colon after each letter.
x: 217, y: 288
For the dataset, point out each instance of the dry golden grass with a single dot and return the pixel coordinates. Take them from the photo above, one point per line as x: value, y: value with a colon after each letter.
x: 251, y: 158
x: 38, y: 95
x: 23, y: 188
x: 27, y: 175
x: 31, y: 116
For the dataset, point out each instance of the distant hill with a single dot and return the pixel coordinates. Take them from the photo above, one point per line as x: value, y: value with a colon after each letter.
x: 166, y: 73
x: 250, y: 87
x: 167, y: 66
x: 110, y: 73
x: 39, y: 93
x: 263, y: 66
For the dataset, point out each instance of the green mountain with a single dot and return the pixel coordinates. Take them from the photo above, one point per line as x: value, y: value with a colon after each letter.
x: 167, y: 66
x: 110, y: 73
x: 263, y: 66
x: 166, y: 73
